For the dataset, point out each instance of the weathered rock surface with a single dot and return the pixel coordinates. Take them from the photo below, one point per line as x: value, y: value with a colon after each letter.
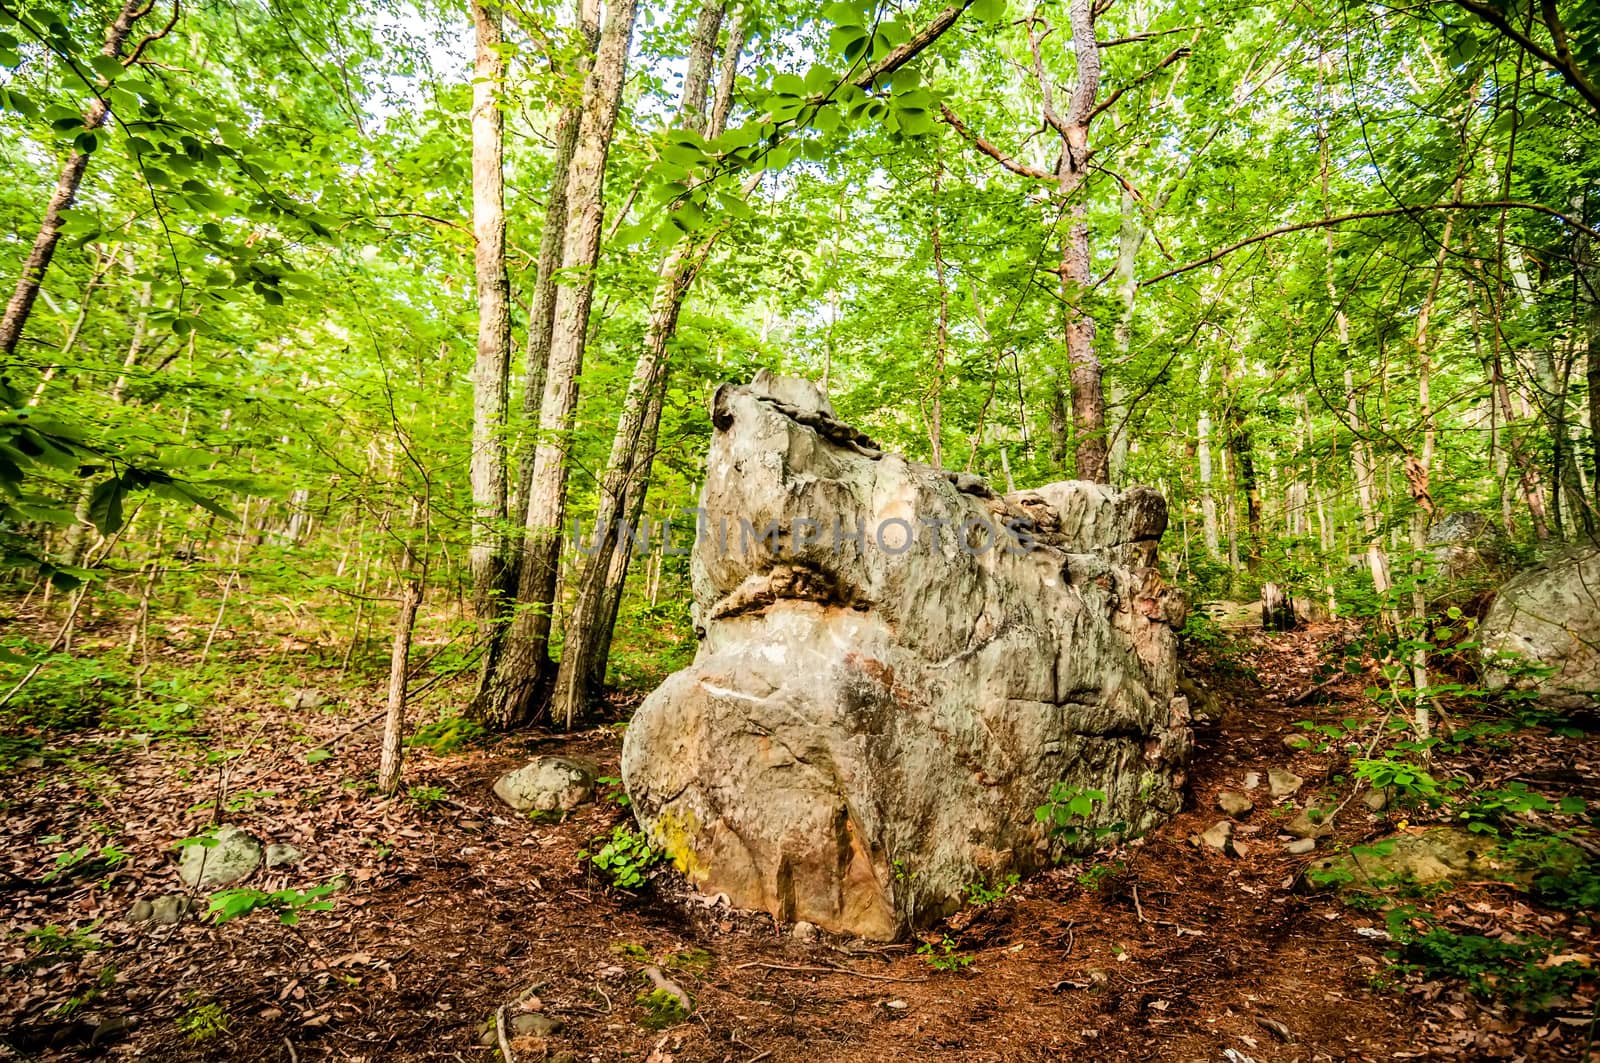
x: 1439, y: 854
x: 281, y: 855
x: 1234, y: 803
x: 234, y: 854
x: 891, y: 680
x: 1283, y: 783
x: 1466, y: 545
x: 1549, y: 616
x: 547, y: 784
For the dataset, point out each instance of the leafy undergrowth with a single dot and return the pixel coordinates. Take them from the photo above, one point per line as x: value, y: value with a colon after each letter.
x: 446, y: 906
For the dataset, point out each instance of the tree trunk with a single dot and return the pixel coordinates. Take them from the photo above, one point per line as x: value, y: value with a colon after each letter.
x: 37, y: 264
x: 510, y: 697
x: 622, y: 492
x: 941, y: 337
x: 1084, y: 377
x: 1208, y: 501
x: 394, y: 720
x: 486, y: 556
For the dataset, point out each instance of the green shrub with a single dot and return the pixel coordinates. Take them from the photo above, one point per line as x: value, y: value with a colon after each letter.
x: 448, y: 734
x: 625, y: 858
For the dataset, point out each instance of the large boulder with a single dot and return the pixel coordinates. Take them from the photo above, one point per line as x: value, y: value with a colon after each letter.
x: 1549, y: 617
x: 896, y: 667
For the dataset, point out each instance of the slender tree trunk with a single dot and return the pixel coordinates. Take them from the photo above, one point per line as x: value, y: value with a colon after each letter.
x: 941, y: 337
x: 1085, y: 373
x: 394, y: 719
x: 1208, y: 501
x: 622, y: 493
x: 511, y: 694
x: 37, y: 264
x: 492, y: 368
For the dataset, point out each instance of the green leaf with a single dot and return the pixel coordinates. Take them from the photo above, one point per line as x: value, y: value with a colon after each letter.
x: 105, y: 505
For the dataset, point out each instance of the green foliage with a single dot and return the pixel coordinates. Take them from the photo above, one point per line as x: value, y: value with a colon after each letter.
x: 1410, y: 783
x: 943, y: 955
x: 979, y: 893
x: 1066, y: 811
x: 203, y: 1022
x: 448, y: 734
x: 70, y: 692
x: 426, y: 798
x: 625, y: 858
x: 288, y: 904
x: 52, y: 940
x: 662, y: 1008
x: 1530, y: 973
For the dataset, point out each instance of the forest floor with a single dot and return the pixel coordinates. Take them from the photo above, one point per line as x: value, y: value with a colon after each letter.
x: 1161, y: 949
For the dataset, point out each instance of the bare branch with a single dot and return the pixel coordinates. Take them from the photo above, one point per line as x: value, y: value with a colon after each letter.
x: 1172, y: 57
x: 1391, y: 212
x: 989, y: 149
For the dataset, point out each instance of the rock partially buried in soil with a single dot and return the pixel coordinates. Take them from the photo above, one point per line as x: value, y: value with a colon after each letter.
x: 231, y: 854
x: 1234, y: 804
x: 140, y: 912
x: 283, y: 856
x: 1440, y: 854
x: 1297, y: 743
x: 804, y: 932
x: 547, y: 784
x: 171, y: 909
x: 1305, y: 825
x: 1219, y: 835
x: 1550, y: 616
x: 1376, y: 800
x: 1282, y: 783
x: 1300, y: 846
x: 871, y: 722
x: 296, y: 700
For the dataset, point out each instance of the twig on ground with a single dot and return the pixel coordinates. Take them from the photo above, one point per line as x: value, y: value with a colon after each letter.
x: 500, y: 1032
x: 827, y: 969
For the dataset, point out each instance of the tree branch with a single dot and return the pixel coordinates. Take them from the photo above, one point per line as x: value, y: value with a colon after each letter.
x: 909, y: 50
x: 1390, y: 212
x: 989, y: 149
x: 1561, y: 61
x: 1172, y: 57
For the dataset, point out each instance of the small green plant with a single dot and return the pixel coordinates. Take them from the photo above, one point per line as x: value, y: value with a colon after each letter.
x: 227, y: 905
x: 979, y: 894
x: 203, y: 1022
x: 1530, y: 973
x: 1098, y: 876
x: 625, y: 858
x: 628, y: 950
x: 426, y: 798
x: 73, y: 1004
x: 1487, y: 811
x: 1065, y: 812
x: 943, y: 956
x: 662, y: 1008
x: 51, y: 940
x: 448, y: 734
x: 86, y: 858
x: 614, y: 790
x: 1410, y: 783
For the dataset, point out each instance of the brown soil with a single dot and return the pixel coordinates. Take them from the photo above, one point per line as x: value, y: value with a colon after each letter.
x: 1173, y: 951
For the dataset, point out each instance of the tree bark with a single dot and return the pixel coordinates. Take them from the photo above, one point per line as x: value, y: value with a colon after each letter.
x: 510, y: 697
x: 37, y: 264
x: 1208, y: 501
x: 622, y: 493
x: 394, y: 719
x: 1084, y: 371
x: 490, y: 372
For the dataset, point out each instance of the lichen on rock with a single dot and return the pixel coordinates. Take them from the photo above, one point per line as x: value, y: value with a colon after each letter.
x: 896, y: 666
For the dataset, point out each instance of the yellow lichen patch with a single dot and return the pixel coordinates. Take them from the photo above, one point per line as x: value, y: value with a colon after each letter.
x: 673, y: 833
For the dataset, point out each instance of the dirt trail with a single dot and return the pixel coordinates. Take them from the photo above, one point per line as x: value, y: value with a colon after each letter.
x: 1164, y: 950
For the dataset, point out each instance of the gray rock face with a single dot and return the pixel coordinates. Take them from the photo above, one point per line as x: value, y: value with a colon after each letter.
x: 235, y: 854
x: 890, y: 681
x: 1549, y: 616
x: 547, y: 784
x: 1466, y: 544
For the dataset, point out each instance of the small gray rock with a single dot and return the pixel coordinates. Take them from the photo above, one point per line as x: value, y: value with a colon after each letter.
x: 234, y: 854
x: 1300, y: 846
x: 1282, y: 783
x: 534, y: 1024
x: 283, y: 855
x: 140, y: 912
x: 296, y: 700
x: 1376, y: 800
x: 1234, y: 804
x: 1295, y: 743
x: 1252, y: 780
x: 1304, y: 826
x: 1220, y: 836
x: 547, y: 784
x: 170, y: 909
x: 804, y: 932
